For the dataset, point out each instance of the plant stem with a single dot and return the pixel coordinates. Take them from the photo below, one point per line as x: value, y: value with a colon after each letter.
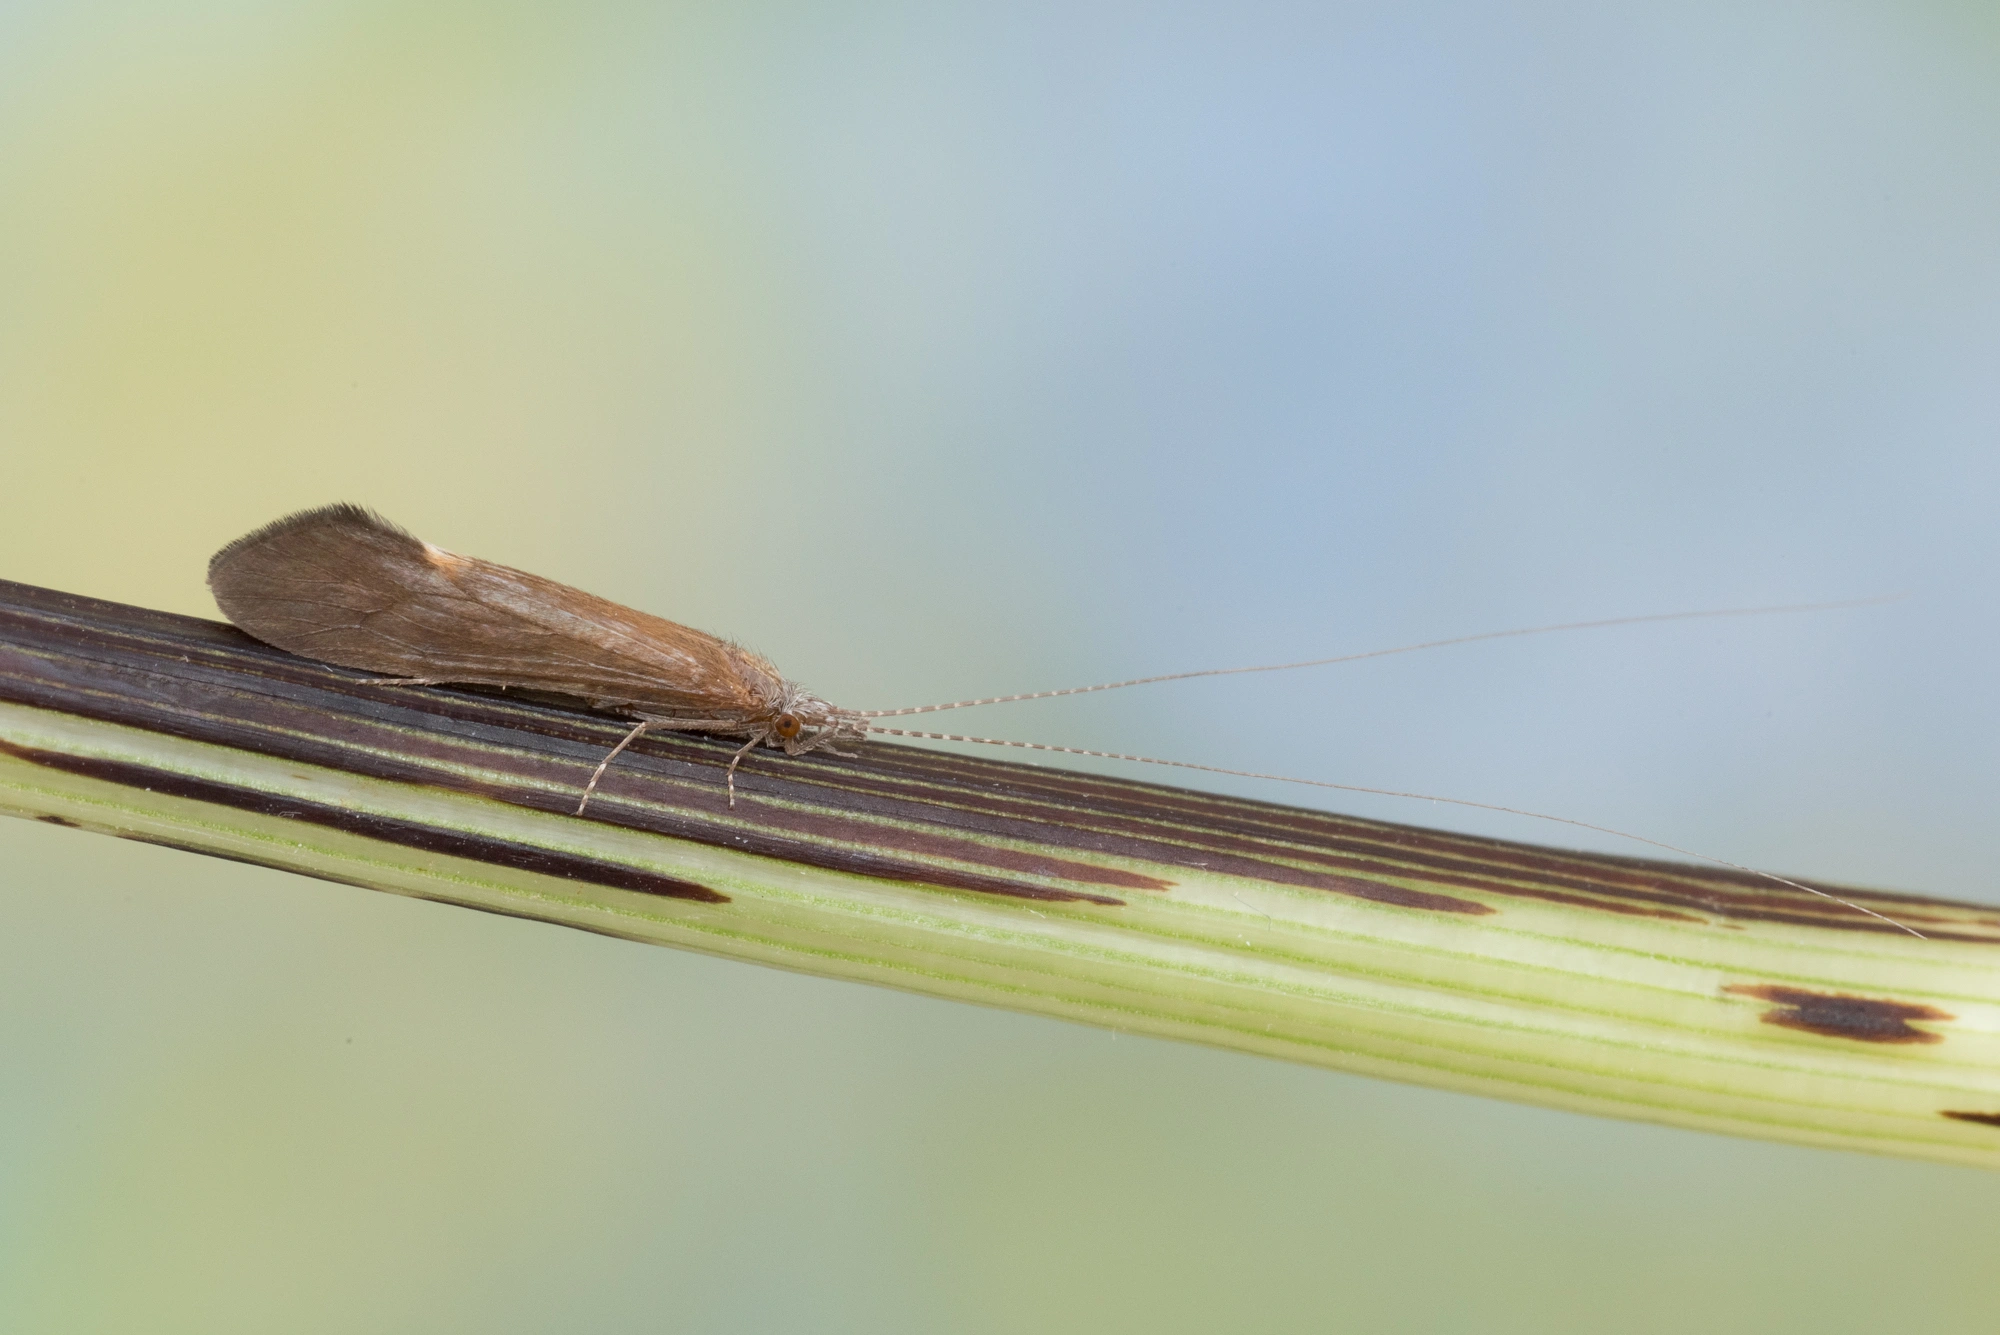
x: 1693, y: 996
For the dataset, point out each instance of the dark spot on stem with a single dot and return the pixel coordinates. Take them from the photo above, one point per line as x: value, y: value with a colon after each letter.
x: 63, y: 821
x: 1985, y: 1119
x: 1842, y: 1015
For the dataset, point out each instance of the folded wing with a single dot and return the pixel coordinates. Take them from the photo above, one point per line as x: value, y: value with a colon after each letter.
x: 345, y: 586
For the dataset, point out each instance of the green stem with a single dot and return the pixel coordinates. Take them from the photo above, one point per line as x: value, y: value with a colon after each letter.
x: 1693, y: 996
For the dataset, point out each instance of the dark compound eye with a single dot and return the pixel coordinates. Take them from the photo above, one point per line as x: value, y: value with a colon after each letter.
x: 786, y: 726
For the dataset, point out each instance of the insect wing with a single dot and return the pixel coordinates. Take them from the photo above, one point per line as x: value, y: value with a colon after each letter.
x: 344, y: 586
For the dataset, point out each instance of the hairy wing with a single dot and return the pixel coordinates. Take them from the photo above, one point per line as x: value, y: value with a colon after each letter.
x: 345, y: 586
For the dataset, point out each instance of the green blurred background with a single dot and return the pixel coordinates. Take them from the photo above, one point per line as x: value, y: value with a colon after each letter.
x: 939, y: 351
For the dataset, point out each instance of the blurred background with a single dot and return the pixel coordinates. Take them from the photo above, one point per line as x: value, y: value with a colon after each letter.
x: 939, y: 351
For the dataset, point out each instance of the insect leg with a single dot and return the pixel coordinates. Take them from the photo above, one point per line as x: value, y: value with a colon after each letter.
x: 605, y: 764
x: 741, y: 751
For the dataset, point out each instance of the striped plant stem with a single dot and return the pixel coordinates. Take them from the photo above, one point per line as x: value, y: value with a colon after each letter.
x: 1633, y: 988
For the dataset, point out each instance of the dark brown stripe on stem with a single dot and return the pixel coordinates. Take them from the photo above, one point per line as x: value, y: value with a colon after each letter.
x: 1984, y: 1119
x: 387, y: 829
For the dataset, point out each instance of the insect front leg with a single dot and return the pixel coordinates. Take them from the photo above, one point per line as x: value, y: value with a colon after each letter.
x: 734, y: 760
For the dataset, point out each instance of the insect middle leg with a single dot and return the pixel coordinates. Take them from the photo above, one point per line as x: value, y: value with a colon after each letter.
x: 605, y: 764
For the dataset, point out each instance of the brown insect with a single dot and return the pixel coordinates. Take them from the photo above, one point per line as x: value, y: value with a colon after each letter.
x: 343, y: 585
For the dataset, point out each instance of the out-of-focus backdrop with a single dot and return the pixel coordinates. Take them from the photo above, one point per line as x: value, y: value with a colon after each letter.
x: 945, y: 351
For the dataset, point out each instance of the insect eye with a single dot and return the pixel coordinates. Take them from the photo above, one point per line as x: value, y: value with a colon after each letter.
x: 787, y: 726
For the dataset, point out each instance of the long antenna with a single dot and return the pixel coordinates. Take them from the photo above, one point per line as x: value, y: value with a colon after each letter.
x: 1421, y: 797
x: 1384, y: 653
